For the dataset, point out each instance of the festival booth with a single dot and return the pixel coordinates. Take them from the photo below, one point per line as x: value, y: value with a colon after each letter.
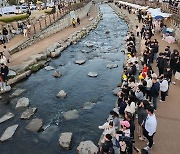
x: 159, y: 16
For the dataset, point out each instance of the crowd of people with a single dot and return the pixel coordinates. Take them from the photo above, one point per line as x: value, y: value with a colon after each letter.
x: 140, y: 90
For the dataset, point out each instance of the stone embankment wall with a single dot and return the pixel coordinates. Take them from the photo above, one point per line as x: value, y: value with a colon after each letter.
x: 38, y: 61
x: 56, y: 27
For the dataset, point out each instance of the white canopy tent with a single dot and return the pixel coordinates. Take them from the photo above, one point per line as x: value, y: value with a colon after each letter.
x: 134, y: 5
x: 157, y: 12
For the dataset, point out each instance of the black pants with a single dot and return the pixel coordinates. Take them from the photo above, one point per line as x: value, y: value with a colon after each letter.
x: 148, y: 95
x: 150, y: 138
x: 161, y: 70
x: 163, y: 95
x: 137, y: 34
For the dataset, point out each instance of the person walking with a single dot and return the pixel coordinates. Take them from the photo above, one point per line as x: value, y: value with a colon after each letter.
x: 5, y: 34
x: 74, y: 22
x: 6, y: 54
x: 163, y: 88
x: 150, y: 126
x: 155, y: 91
x: 78, y: 20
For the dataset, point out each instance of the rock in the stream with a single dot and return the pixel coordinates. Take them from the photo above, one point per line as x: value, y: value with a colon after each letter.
x: 116, y: 90
x: 49, y: 68
x: 72, y: 114
x: 57, y: 74
x: 11, y: 73
x: 17, y: 92
x: 22, y: 102
x: 85, y: 51
x: 35, y: 125
x: 110, y: 66
x: 5, y: 89
x: 90, y: 19
x: 80, y: 62
x: 88, y: 105
x: 89, y: 45
x: 6, y: 117
x: 87, y: 147
x: 28, y: 113
x: 92, y: 74
x: 48, y: 134
x: 61, y: 94
x: 56, y: 53
x: 8, y: 133
x: 107, y: 32
x: 65, y: 140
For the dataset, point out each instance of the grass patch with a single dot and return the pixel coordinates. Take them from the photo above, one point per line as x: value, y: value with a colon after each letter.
x: 48, y: 11
x: 14, y: 18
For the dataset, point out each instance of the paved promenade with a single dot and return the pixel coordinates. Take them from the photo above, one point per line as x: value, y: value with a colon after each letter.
x: 40, y: 46
x: 168, y: 134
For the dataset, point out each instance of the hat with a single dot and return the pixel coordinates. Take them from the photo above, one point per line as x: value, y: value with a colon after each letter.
x: 125, y: 123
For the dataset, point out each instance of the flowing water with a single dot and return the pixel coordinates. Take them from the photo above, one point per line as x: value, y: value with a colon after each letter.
x: 42, y: 87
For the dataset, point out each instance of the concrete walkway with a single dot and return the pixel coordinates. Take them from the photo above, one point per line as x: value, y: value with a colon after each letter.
x: 168, y: 134
x: 40, y: 46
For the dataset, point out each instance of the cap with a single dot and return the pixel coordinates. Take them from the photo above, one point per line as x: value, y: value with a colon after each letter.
x: 125, y: 123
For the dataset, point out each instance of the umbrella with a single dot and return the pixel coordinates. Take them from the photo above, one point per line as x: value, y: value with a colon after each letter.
x: 170, y: 39
x: 158, y: 17
x: 169, y: 30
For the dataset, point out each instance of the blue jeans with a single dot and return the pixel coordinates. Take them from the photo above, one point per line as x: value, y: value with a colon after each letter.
x: 155, y: 56
x: 155, y: 102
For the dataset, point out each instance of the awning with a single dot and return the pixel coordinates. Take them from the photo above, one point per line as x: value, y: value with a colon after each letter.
x: 157, y: 12
x: 134, y: 5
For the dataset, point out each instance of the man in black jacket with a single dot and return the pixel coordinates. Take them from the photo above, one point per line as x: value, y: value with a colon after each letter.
x: 155, y: 91
x: 4, y: 72
x: 107, y: 146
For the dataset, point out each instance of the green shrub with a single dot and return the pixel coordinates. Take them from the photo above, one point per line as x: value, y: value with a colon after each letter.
x: 48, y: 11
x: 14, y: 18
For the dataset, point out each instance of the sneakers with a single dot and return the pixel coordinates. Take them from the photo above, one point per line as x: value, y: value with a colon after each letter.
x: 147, y: 148
x: 173, y: 83
x: 161, y: 100
x: 142, y: 138
x: 148, y: 143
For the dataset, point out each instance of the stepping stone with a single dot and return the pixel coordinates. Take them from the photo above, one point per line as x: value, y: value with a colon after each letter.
x: 35, y: 125
x: 6, y: 117
x: 110, y: 66
x: 17, y: 92
x: 11, y: 73
x: 80, y: 62
x: 89, y: 45
x: 5, y: 89
x: 87, y: 147
x: 65, y: 140
x: 92, y: 74
x: 22, y: 102
x: 8, y: 133
x: 61, y: 94
x: 57, y: 74
x: 72, y: 114
x: 28, y: 113
x: 107, y: 32
x: 116, y: 90
x: 48, y: 134
x: 49, y: 68
x: 88, y: 105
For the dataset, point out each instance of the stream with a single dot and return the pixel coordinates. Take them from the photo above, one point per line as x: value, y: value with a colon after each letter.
x: 42, y: 88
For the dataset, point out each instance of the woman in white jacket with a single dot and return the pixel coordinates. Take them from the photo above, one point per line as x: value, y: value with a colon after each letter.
x: 163, y: 88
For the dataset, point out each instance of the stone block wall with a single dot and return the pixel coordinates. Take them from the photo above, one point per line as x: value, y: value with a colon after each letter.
x: 54, y: 28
